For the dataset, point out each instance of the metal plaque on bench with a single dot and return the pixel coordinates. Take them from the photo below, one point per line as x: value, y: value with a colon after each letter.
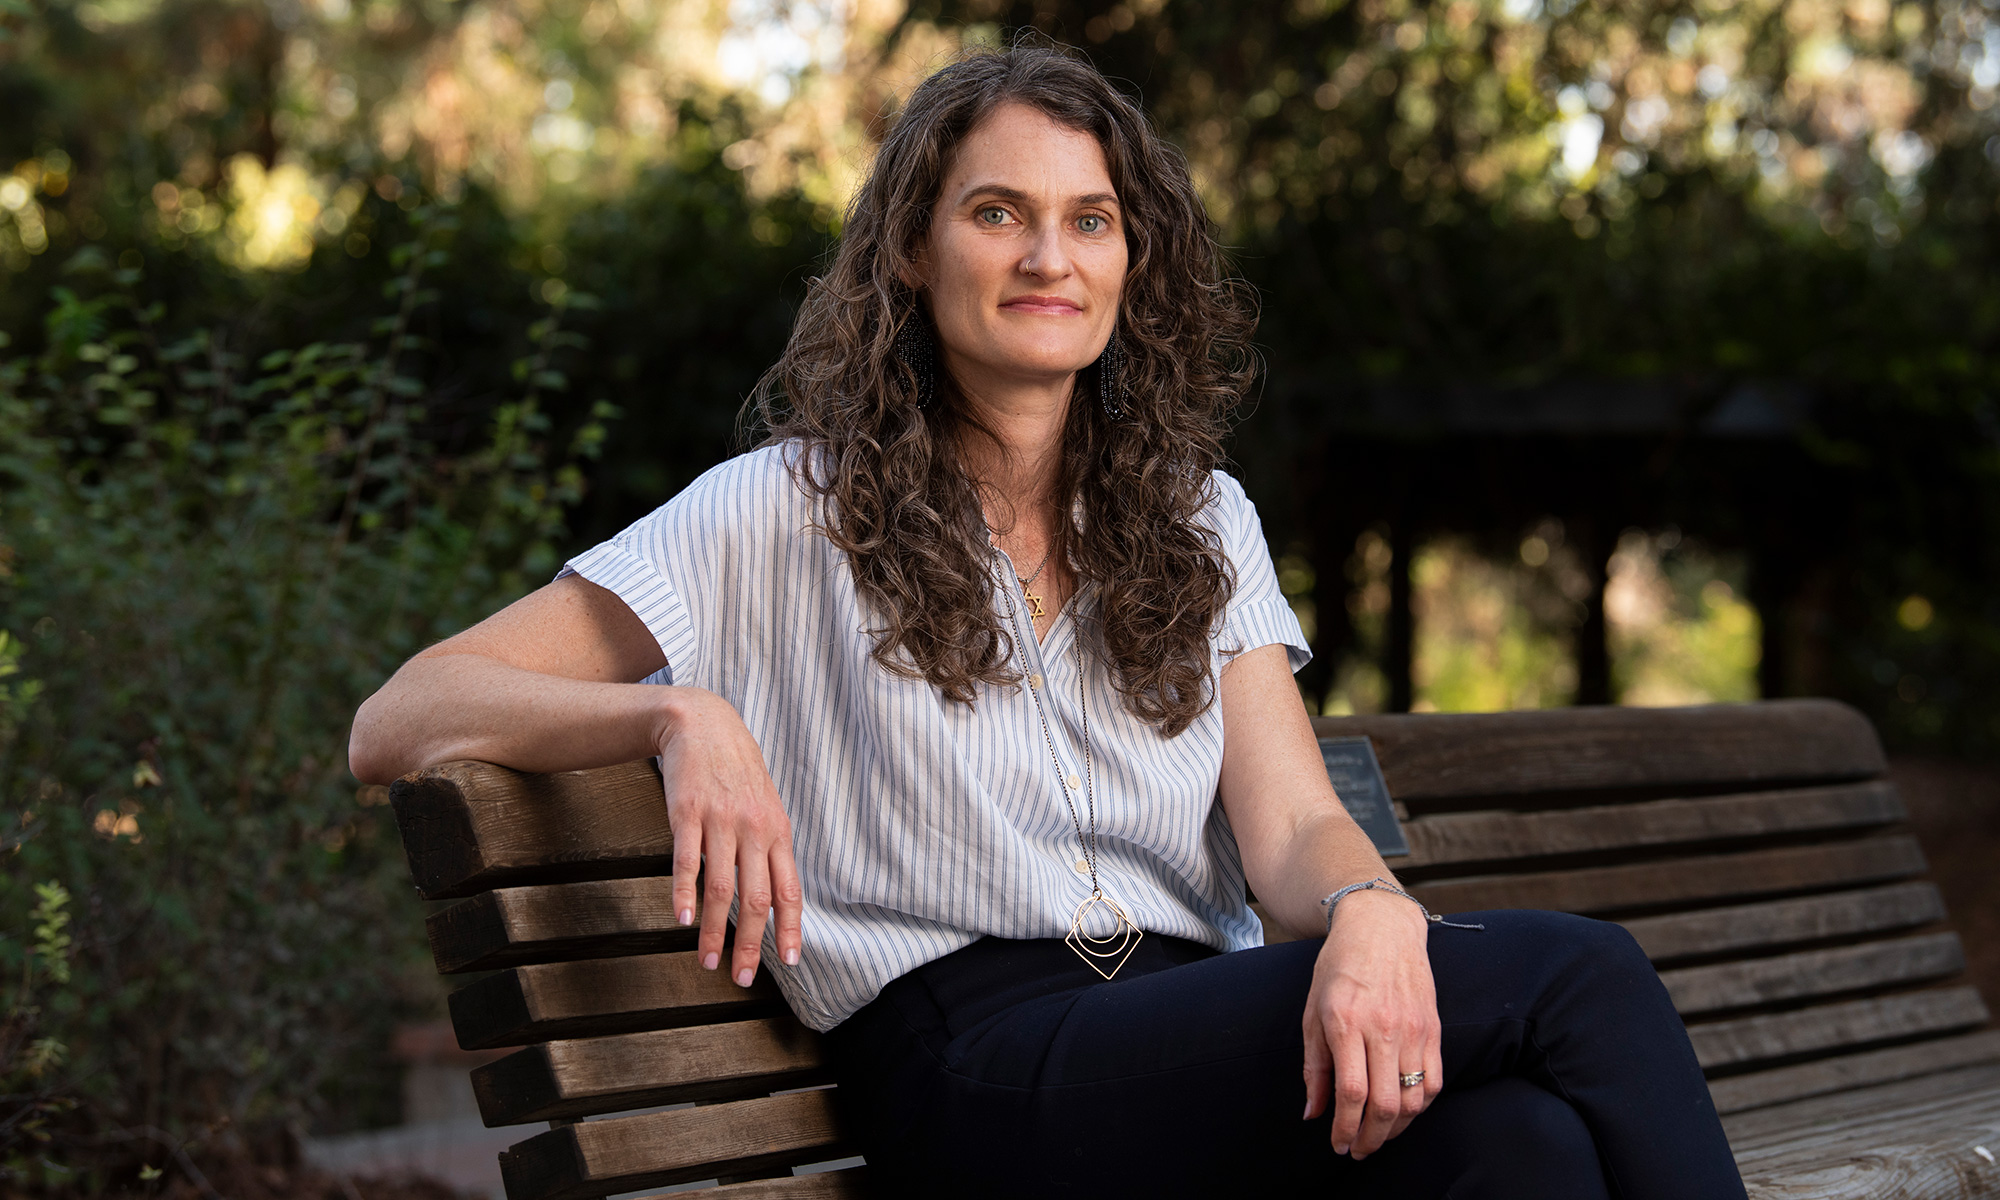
x: 1357, y: 779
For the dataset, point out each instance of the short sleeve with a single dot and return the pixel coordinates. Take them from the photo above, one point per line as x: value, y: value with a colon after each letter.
x: 699, y: 556
x: 1258, y: 613
x: 631, y: 567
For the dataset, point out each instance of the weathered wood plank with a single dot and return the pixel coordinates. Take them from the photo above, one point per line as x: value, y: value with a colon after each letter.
x: 1741, y: 1093
x: 1814, y: 973
x: 595, y: 1158
x: 1915, y: 1167
x: 1853, y: 1023
x: 848, y: 1183
x: 1915, y: 1140
x: 605, y: 918
x: 1784, y: 922
x: 1433, y: 756
x: 1770, y: 1135
x: 1493, y: 836
x: 1681, y: 880
x: 470, y: 826
x: 599, y: 997
x: 578, y: 1078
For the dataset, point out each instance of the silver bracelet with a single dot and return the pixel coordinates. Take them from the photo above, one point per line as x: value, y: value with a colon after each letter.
x: 1379, y: 884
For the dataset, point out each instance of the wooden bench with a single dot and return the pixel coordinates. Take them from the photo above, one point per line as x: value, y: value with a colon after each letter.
x: 1757, y: 852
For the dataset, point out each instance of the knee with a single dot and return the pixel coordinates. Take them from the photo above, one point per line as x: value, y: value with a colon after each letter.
x: 1589, y: 946
x: 1525, y: 1141
x: 1606, y: 942
x: 1543, y: 1126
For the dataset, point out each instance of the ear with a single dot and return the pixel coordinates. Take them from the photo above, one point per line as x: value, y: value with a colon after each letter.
x: 915, y: 273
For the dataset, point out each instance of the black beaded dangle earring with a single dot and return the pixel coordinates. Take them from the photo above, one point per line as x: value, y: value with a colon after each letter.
x: 1111, y: 378
x: 917, y: 350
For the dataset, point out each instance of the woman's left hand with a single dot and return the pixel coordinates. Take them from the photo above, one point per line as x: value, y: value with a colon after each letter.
x: 1371, y: 1017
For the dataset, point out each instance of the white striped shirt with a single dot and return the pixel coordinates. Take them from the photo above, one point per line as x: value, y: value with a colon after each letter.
x: 920, y: 824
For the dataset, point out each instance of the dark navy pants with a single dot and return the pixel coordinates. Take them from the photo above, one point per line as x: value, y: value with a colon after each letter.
x: 1010, y: 1069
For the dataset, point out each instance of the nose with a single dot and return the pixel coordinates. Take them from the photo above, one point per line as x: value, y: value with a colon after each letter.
x: 1046, y: 256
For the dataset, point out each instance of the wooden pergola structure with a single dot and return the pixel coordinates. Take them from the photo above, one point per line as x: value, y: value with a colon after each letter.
x: 1725, y: 462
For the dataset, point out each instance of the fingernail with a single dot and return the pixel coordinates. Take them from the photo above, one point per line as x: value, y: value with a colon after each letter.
x: 1340, y: 1149
x: 744, y: 976
x: 792, y: 957
x: 687, y: 916
x: 711, y: 962
x: 1307, y: 1115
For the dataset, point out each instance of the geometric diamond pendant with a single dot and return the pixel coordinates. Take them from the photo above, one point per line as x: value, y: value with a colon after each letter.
x: 1113, y: 948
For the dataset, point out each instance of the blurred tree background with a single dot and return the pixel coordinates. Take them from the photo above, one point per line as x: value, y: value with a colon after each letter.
x: 1619, y: 350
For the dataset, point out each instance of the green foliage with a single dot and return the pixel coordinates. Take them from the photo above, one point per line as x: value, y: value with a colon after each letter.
x: 51, y: 941
x: 28, y: 1057
x: 210, y: 560
x: 16, y: 695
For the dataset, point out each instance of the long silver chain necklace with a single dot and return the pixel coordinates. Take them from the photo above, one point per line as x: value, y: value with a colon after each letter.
x: 1117, y: 946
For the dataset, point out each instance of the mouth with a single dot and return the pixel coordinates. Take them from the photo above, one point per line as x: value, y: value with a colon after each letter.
x: 1042, y: 306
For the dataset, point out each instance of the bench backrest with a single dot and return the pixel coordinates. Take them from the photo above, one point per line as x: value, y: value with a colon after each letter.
x: 1756, y: 851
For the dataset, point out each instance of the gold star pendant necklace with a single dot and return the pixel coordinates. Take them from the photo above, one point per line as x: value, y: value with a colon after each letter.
x: 1035, y: 601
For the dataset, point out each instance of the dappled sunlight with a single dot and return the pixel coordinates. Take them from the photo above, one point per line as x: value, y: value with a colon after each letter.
x: 1482, y: 645
x: 1582, y: 113
x: 497, y: 103
x: 274, y: 216
x: 24, y: 219
x: 1817, y: 110
x: 1680, y: 633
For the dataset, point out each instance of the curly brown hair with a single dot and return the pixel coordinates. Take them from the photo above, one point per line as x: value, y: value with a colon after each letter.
x: 898, y: 502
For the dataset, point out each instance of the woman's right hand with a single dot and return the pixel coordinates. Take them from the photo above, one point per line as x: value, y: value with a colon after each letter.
x: 547, y: 684
x: 725, y: 813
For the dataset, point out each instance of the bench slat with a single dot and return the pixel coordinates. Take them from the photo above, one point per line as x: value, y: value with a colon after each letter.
x: 1813, y: 973
x: 620, y: 1154
x: 601, y: 996
x: 1741, y: 1093
x: 1767, y: 1133
x: 848, y: 1183
x: 1495, y: 836
x: 605, y: 918
x: 1853, y: 1023
x: 1781, y: 922
x: 470, y: 826
x: 1681, y: 880
x: 1442, y: 756
x: 583, y: 1077
x: 1912, y: 1140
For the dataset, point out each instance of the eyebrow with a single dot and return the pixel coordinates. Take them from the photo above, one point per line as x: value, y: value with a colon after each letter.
x: 1020, y: 197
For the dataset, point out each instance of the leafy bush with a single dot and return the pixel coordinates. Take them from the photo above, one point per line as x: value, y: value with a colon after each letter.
x: 205, y: 563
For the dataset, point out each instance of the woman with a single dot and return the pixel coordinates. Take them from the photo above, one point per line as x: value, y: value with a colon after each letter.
x: 971, y: 693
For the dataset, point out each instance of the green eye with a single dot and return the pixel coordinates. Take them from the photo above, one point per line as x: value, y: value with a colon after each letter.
x: 993, y: 216
x: 1091, y: 224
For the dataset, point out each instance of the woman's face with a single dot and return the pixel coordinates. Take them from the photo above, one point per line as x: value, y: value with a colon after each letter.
x: 1026, y: 255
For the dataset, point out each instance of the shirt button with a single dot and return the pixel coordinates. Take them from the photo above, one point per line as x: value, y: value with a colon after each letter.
x: 1035, y: 681
x: 1074, y: 782
x: 1081, y: 867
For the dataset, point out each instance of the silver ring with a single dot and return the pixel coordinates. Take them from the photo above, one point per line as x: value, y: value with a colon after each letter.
x: 1412, y: 1078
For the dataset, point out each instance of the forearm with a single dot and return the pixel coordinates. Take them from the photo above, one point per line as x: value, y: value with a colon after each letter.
x: 1328, y: 851
x: 444, y: 707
